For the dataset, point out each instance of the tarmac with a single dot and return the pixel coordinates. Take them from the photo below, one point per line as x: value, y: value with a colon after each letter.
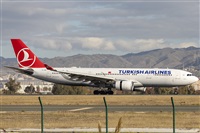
x: 93, y: 108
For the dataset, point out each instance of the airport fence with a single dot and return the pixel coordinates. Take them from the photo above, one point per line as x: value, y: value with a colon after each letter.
x: 106, y: 118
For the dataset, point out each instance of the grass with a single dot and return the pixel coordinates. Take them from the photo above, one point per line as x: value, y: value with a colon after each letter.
x: 98, y: 100
x: 119, y: 125
x: 66, y: 119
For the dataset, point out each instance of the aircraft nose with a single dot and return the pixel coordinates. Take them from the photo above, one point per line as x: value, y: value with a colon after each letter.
x: 196, y: 79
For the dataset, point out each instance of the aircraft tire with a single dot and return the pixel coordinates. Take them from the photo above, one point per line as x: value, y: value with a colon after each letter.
x: 96, y: 92
x: 175, y: 92
x: 110, y: 92
x: 103, y: 92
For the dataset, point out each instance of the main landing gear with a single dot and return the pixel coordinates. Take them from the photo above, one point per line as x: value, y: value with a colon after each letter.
x: 176, y: 91
x: 103, y: 92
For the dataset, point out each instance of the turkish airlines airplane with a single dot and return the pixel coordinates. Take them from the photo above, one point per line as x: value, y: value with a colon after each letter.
x: 132, y: 79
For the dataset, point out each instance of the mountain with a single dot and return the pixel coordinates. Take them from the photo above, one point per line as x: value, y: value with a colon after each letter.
x: 158, y: 58
x: 7, y: 62
x: 166, y: 57
x: 98, y: 60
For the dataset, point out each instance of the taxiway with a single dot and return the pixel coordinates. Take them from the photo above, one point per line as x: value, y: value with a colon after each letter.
x: 93, y: 108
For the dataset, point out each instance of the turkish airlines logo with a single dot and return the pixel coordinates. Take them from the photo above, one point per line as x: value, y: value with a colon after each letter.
x: 24, y: 59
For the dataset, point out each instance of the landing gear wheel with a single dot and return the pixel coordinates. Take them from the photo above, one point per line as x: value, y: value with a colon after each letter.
x: 96, y: 92
x: 103, y: 92
x: 175, y: 92
x: 110, y: 92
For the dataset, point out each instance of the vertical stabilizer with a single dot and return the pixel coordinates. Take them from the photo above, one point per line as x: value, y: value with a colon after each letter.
x: 25, y: 57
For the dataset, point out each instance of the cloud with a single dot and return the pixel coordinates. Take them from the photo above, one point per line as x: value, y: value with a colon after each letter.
x: 138, y: 45
x: 50, y: 44
x: 101, y: 27
x: 105, y: 19
x: 94, y: 43
x: 188, y: 44
x: 60, y: 28
x: 46, y: 11
x: 66, y: 44
x: 104, y: 44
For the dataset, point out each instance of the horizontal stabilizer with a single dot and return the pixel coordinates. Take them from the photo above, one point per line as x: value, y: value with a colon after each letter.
x: 23, y: 71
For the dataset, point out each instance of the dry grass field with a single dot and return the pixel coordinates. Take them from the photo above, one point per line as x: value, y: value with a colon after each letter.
x: 66, y: 119
x: 98, y: 100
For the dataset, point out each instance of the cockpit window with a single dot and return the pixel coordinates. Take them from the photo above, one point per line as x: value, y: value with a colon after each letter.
x: 189, y: 74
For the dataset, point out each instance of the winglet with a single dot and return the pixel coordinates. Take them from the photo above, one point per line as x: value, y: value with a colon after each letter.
x: 25, y: 57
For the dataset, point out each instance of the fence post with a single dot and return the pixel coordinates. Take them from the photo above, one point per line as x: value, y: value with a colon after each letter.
x: 42, y: 116
x: 106, y: 114
x: 173, y: 114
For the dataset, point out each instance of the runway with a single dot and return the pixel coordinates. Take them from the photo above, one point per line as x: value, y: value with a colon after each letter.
x: 95, y: 108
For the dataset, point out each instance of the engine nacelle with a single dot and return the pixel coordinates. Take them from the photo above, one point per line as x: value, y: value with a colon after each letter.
x: 143, y: 89
x: 124, y: 85
x: 128, y: 86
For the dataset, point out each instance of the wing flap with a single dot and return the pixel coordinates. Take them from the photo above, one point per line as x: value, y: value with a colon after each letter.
x: 87, y: 77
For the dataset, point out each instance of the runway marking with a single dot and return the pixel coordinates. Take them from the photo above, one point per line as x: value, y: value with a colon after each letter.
x: 140, y: 112
x: 86, y: 108
x: 3, y: 112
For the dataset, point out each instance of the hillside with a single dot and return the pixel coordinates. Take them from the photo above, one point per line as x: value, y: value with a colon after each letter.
x: 159, y: 58
x: 167, y: 57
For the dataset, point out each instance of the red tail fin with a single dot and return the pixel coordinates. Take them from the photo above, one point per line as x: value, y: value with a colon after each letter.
x: 25, y: 57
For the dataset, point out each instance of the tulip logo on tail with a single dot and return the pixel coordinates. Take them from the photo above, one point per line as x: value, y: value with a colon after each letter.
x: 24, y: 58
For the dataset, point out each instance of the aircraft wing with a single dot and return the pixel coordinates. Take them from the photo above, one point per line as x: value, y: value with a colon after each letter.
x: 96, y: 79
x: 88, y: 77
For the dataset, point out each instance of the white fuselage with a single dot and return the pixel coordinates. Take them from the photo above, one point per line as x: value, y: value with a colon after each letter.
x: 149, y: 77
x: 120, y: 78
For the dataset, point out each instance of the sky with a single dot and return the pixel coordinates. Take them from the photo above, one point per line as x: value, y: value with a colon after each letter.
x: 53, y: 28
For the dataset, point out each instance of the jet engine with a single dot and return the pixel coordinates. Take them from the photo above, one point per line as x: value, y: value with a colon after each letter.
x: 143, y: 89
x: 128, y: 86
x: 124, y: 85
